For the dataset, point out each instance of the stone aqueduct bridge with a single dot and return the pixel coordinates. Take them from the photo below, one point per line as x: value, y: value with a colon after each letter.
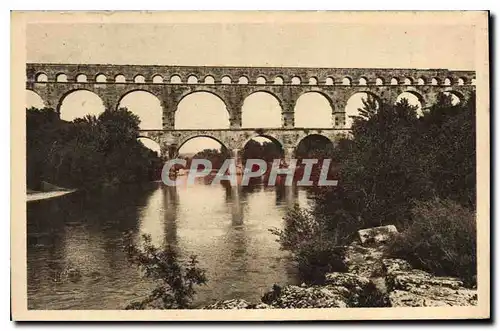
x: 170, y: 84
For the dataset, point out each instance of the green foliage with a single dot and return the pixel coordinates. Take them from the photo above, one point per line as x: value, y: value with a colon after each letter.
x: 450, y: 147
x: 394, y: 159
x: 440, y: 239
x: 175, y: 281
x: 314, y: 250
x: 87, y: 152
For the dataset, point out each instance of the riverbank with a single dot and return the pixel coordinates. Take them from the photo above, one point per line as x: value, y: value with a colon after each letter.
x: 372, y: 280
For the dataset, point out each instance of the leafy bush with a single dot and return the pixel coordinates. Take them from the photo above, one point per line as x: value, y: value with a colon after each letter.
x: 314, y: 249
x: 441, y: 239
x: 175, y: 280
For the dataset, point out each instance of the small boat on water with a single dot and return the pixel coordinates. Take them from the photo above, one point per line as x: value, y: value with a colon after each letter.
x: 35, y: 196
x: 47, y: 191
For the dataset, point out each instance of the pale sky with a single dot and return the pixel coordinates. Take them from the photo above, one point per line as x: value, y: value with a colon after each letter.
x: 265, y: 44
x: 271, y: 44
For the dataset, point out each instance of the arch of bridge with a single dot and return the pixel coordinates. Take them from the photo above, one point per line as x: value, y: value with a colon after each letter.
x: 237, y: 139
x: 234, y: 94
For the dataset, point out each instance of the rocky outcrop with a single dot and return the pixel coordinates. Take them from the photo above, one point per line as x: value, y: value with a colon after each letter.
x: 378, y: 235
x: 371, y: 280
x: 409, y: 287
x: 237, y: 304
x: 292, y: 296
x: 341, y: 290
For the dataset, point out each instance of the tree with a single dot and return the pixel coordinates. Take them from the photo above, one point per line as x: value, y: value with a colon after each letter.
x: 396, y: 168
x: 87, y: 152
x: 175, y: 281
x: 380, y: 174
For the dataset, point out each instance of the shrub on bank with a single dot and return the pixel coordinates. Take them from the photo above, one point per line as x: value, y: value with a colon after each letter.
x: 312, y: 246
x: 440, y: 239
x: 175, y: 280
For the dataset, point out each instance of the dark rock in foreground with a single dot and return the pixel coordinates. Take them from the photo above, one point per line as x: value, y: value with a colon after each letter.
x: 416, y: 288
x: 236, y: 304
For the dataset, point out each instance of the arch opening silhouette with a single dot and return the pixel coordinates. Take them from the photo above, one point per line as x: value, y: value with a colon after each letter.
x: 278, y: 80
x: 261, y: 80
x: 150, y: 144
x: 243, y: 80
x: 146, y: 106
x: 209, y: 80
x: 33, y: 100
x: 314, y: 146
x: 414, y: 99
x: 80, y: 103
x: 408, y: 81
x: 139, y: 79
x: 192, y: 79
x: 263, y: 147
x: 358, y: 102
x: 175, y: 79
x: 157, y: 79
x: 203, y: 147
x: 226, y: 80
x: 81, y: 78
x: 258, y: 106
x: 41, y: 77
x: 456, y: 98
x: 296, y: 81
x: 101, y: 78
x: 313, y: 110
x: 61, y: 78
x: 201, y: 110
x: 120, y: 79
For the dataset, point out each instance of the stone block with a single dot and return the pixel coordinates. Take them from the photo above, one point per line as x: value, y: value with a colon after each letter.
x: 378, y: 235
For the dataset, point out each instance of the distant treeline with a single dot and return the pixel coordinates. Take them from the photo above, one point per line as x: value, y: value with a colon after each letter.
x: 87, y: 152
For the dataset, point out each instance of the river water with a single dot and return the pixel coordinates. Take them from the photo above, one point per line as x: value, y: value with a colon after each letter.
x: 226, y: 227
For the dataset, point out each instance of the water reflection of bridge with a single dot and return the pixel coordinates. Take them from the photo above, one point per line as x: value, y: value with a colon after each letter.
x: 162, y: 209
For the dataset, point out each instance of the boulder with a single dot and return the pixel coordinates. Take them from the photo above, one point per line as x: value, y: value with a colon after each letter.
x: 339, y: 291
x: 292, y: 296
x: 237, y: 304
x: 417, y: 288
x: 392, y: 265
x: 363, y: 261
x: 378, y: 235
x: 363, y: 292
x: 399, y: 298
x: 350, y: 281
x: 229, y: 304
